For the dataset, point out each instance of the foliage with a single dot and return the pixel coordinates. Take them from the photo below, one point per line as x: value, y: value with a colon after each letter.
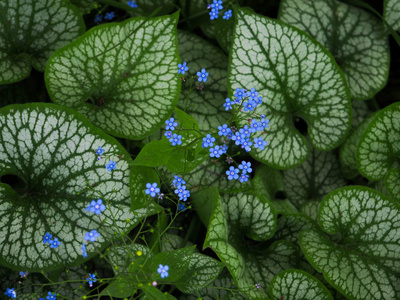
x: 199, y: 149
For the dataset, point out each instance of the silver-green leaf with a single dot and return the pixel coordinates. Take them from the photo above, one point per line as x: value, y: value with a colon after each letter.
x: 52, y: 150
x: 391, y: 13
x: 30, y: 31
x: 121, y: 76
x: 353, y: 36
x: 296, y: 78
x: 361, y: 256
x: 296, y: 284
x: 378, y: 150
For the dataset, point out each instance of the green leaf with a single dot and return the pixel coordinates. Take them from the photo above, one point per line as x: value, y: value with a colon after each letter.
x: 30, y: 31
x: 154, y: 154
x: 153, y: 293
x: 392, y: 181
x: 139, y: 177
x: 348, y: 159
x: 206, y: 105
x: 224, y: 32
x: 316, y: 177
x: 50, y: 150
x: 311, y: 209
x: 119, y: 288
x: 267, y: 182
x: 391, y: 13
x: 353, y: 36
x: 177, y: 261
x: 171, y: 242
x: 378, y: 150
x: 290, y: 226
x: 360, y: 112
x: 202, y: 271
x: 243, y: 215
x: 297, y: 78
x: 296, y: 284
x: 85, y: 6
x: 125, y: 258
x: 121, y: 76
x: 361, y: 258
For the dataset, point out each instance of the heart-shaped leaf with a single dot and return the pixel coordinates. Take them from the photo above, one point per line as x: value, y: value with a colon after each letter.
x: 267, y: 182
x: 316, y: 177
x: 353, y: 36
x: 360, y: 112
x: 296, y: 284
x: 50, y: 152
x: 290, y: 226
x: 205, y: 105
x: 202, y: 271
x: 348, y: 158
x: 224, y: 32
x: 361, y: 258
x: 241, y: 215
x: 391, y: 13
x: 30, y: 31
x: 378, y: 150
x: 122, y: 77
x: 296, y: 78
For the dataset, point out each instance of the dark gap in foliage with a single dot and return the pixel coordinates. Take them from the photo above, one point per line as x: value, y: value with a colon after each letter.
x: 300, y: 125
x: 15, y: 182
x: 280, y: 195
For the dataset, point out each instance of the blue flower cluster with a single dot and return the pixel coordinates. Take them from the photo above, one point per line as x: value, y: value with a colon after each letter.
x: 180, y: 186
x: 174, y: 139
x: 215, y: 7
x: 90, y: 278
x: 53, y: 243
x: 203, y: 75
x: 227, y: 15
x: 23, y: 274
x: 233, y: 173
x: 132, y: 4
x: 163, y: 271
x: 152, y: 189
x: 109, y: 16
x: 96, y: 207
x: 10, y: 293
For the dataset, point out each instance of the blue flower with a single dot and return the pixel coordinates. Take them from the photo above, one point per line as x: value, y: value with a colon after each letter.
x: 217, y: 4
x: 84, y: 253
x: 255, y: 125
x: 132, y: 4
x: 227, y: 15
x: 215, y: 152
x: 246, y: 144
x: 168, y: 134
x: 245, y: 131
x: 90, y: 279
x: 181, y: 207
x: 91, y: 235
x: 182, y: 68
x: 47, y: 238
x: 170, y: 124
x: 208, y: 141
x: 239, y: 94
x: 98, y: 18
x: 185, y: 195
x: 224, y: 148
x: 228, y: 104
x: 213, y: 14
x: 152, y: 189
x: 224, y: 130
x: 55, y: 243
x: 51, y: 296
x: 202, y: 75
x: 252, y: 94
x: 99, y: 151
x: 245, y: 167
x: 11, y: 293
x: 23, y: 274
x: 249, y: 105
x: 109, y: 16
x: 163, y: 270
x: 180, y: 190
x: 244, y: 178
x: 175, y: 139
x: 260, y: 143
x: 264, y: 123
x: 258, y: 100
x: 237, y: 137
x: 96, y: 207
x: 232, y: 173
x: 178, y: 181
x: 112, y: 165
x: 263, y: 116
